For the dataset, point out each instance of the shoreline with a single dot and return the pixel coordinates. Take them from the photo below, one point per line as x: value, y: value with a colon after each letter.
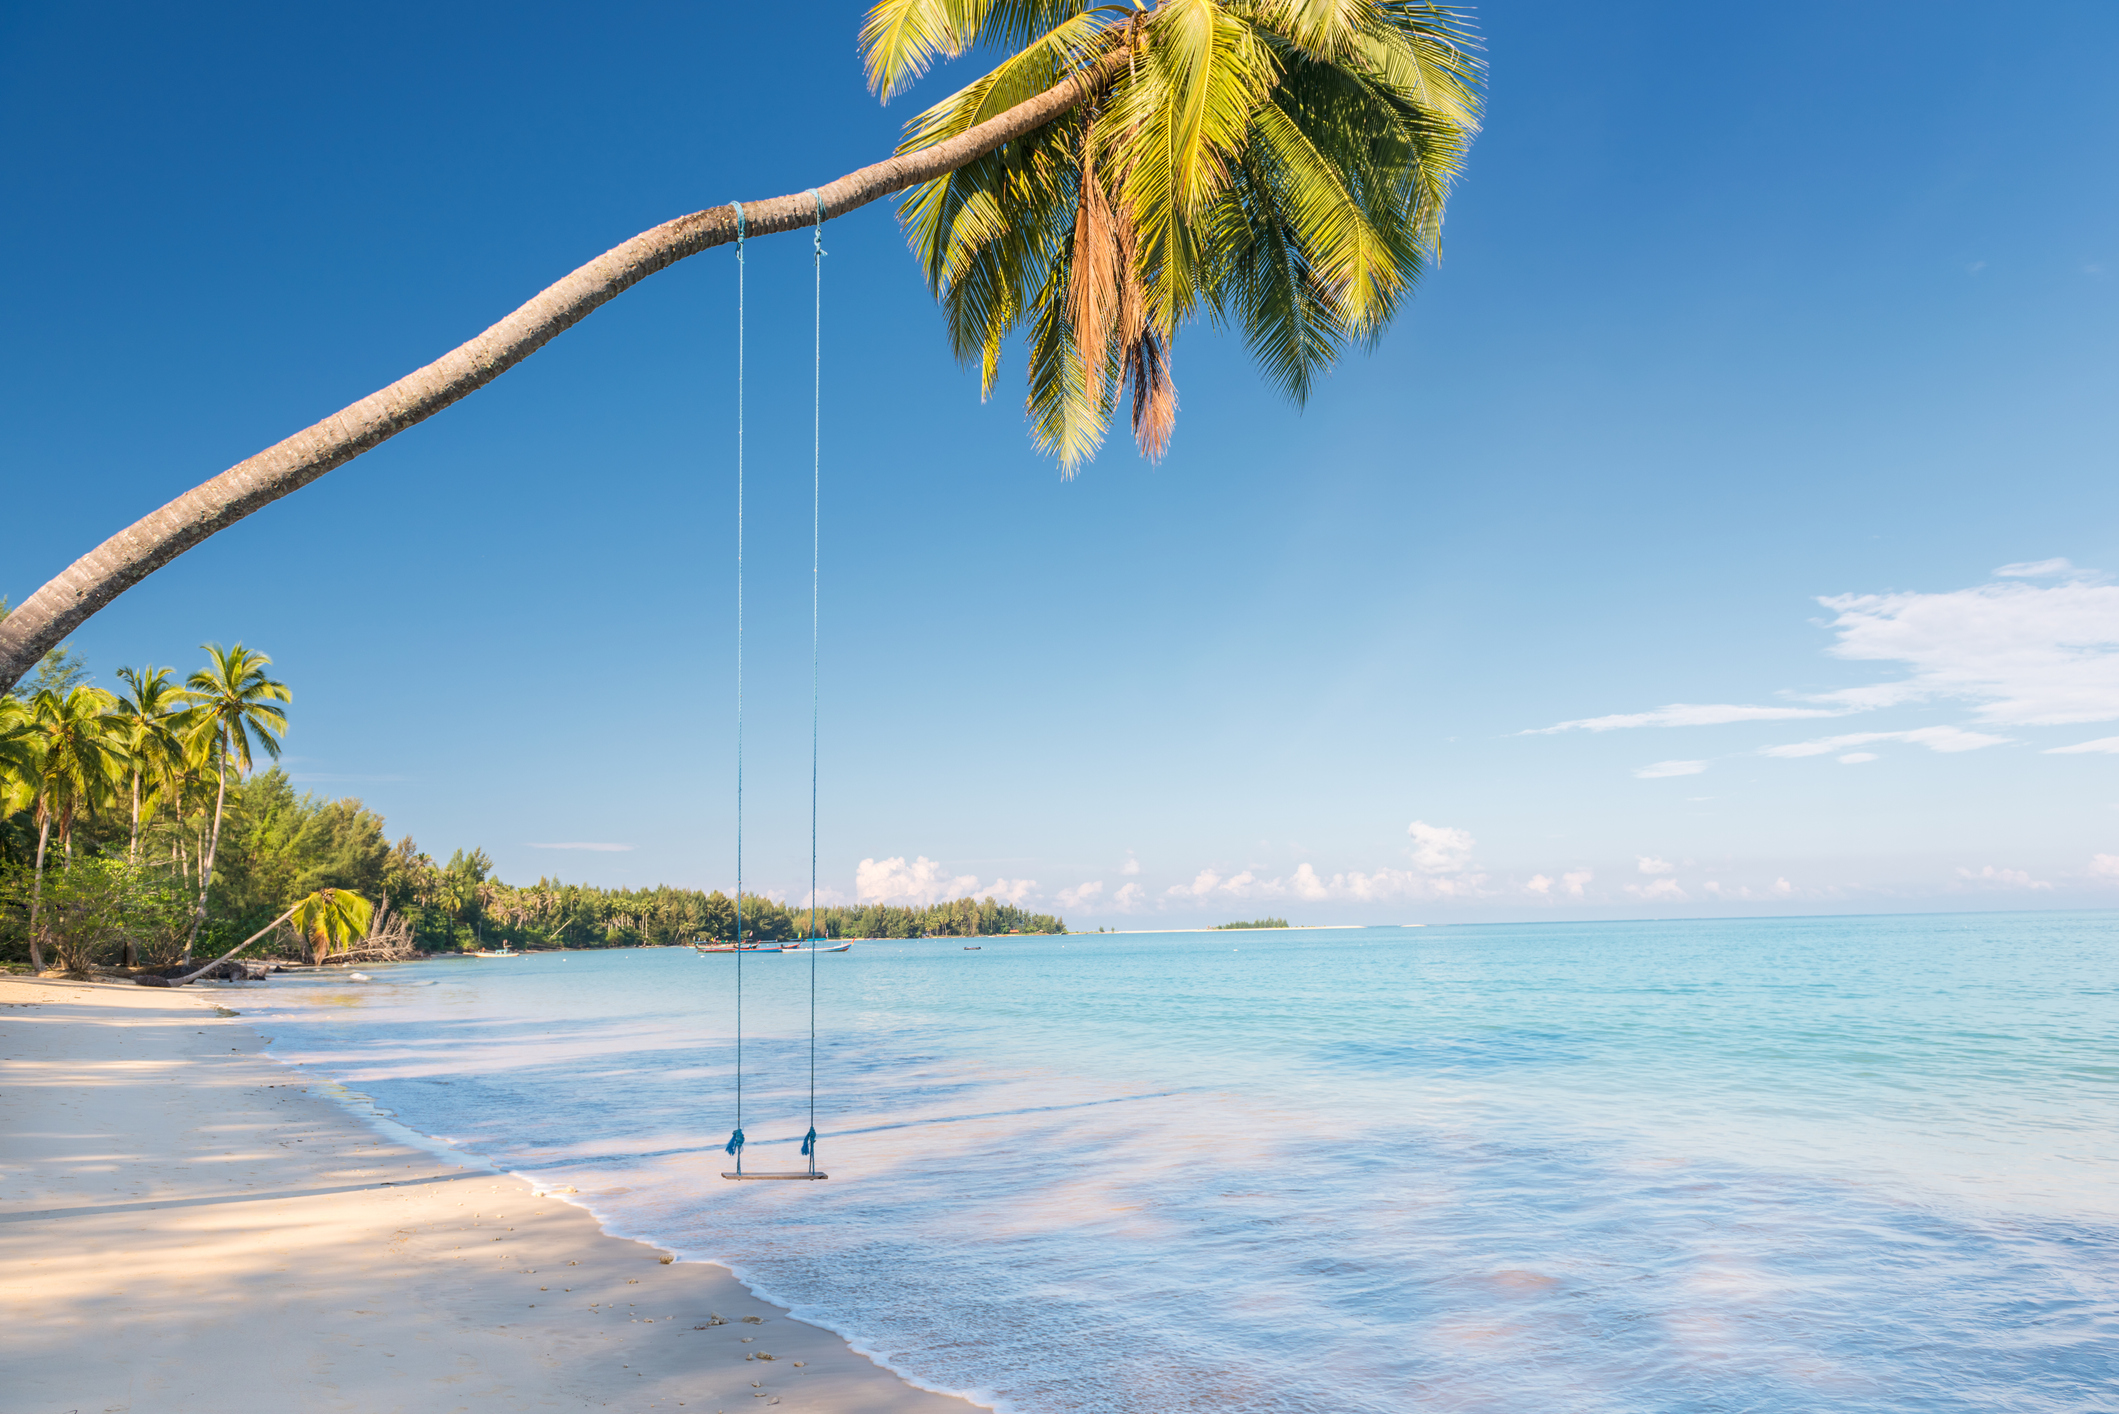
x: 187, y: 1224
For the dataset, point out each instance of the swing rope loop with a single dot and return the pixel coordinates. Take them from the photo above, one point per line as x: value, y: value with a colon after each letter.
x: 735, y: 1144
x: 816, y: 563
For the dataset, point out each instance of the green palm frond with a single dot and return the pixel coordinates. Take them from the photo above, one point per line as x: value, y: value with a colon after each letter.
x: 1281, y: 165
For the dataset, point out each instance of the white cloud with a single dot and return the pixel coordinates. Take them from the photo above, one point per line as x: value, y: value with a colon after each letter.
x: 1663, y: 769
x: 1200, y: 887
x: 1306, y: 884
x: 1575, y: 879
x: 921, y: 882
x: 1782, y: 886
x: 2108, y: 745
x: 1014, y: 891
x: 1855, y: 758
x: 2002, y: 878
x: 1081, y: 895
x: 1438, y: 849
x: 2037, y: 569
x: 1127, y: 899
x: 2026, y: 655
x: 1131, y: 866
x: 1933, y: 738
x: 1688, y: 714
x: 603, y: 848
x: 1649, y: 864
x: 1538, y: 884
x: 2107, y: 864
x: 1659, y: 890
x: 2018, y: 653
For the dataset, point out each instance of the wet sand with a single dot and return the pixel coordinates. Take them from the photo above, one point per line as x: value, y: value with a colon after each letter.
x: 185, y: 1227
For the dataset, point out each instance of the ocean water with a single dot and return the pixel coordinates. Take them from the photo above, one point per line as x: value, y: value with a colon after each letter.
x: 1847, y: 1164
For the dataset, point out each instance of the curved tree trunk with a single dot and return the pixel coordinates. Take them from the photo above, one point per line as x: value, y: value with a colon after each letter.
x: 94, y: 580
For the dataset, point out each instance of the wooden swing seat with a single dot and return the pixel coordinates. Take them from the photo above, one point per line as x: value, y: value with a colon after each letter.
x: 798, y: 1173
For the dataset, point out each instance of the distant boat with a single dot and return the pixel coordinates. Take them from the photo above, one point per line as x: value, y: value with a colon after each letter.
x: 488, y: 952
x: 974, y: 947
x: 796, y: 947
x: 731, y: 947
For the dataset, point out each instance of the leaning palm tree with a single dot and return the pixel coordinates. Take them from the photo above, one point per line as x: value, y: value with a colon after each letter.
x: 328, y: 921
x: 1279, y: 165
x: 78, y: 740
x: 233, y: 699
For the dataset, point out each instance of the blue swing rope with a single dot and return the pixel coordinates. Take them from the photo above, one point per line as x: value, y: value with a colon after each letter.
x: 735, y: 1140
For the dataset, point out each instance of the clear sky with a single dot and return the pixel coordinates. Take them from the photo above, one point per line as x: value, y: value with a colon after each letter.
x: 1771, y: 366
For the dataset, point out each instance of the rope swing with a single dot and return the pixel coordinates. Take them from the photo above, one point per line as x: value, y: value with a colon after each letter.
x: 735, y: 1144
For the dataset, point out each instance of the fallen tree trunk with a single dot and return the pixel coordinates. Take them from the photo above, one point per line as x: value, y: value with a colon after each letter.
x: 190, y: 977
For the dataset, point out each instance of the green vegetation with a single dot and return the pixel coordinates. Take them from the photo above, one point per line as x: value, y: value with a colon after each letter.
x: 136, y: 829
x: 1255, y: 923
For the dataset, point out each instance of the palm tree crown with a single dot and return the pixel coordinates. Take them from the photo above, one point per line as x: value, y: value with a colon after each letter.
x: 233, y: 698
x: 79, y: 744
x: 1280, y: 166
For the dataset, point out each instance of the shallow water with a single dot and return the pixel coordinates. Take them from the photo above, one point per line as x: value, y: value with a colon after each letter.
x: 1845, y: 1164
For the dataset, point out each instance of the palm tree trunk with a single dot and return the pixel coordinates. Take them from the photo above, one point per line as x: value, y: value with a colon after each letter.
x: 197, y: 973
x: 132, y: 851
x: 213, y: 847
x: 36, y: 896
x: 126, y: 558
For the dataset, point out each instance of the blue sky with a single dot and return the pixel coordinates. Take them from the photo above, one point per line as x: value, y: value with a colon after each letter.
x: 1764, y: 341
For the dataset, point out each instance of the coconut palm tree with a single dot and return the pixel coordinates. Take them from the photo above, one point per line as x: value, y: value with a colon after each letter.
x: 18, y: 756
x: 329, y: 920
x: 79, y: 742
x: 232, y: 697
x: 158, y: 725
x: 1276, y: 164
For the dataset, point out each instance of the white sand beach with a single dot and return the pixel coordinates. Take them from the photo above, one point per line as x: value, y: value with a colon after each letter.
x: 183, y: 1227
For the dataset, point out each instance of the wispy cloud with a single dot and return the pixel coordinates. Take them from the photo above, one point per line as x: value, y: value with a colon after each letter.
x: 1688, y: 714
x: 2107, y: 745
x: 1661, y: 891
x: 2021, y: 654
x: 2016, y: 651
x: 1949, y: 739
x: 1662, y: 769
x: 1649, y: 864
x: 579, y: 844
x: 2039, y: 569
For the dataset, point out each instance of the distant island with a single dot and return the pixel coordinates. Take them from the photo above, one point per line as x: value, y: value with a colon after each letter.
x: 1254, y: 923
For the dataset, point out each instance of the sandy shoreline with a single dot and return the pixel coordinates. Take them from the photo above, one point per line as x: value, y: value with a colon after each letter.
x: 184, y: 1226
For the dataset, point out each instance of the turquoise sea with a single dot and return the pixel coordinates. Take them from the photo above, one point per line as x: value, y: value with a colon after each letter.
x: 1848, y: 1164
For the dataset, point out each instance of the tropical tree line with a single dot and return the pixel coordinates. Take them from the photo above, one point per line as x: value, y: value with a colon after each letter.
x: 115, y: 804
x: 137, y: 828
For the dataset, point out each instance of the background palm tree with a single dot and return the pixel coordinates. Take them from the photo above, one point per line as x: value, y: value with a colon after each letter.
x: 1279, y: 164
x: 79, y: 743
x: 157, y: 725
x: 233, y: 698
